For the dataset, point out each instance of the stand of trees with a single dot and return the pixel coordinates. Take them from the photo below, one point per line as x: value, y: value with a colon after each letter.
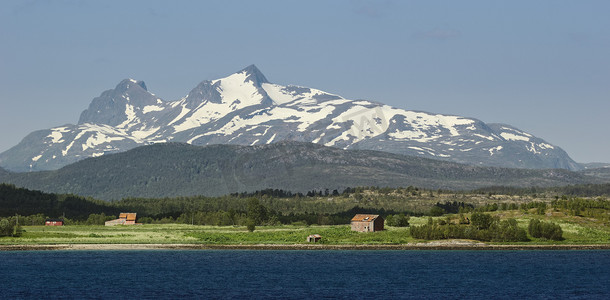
x: 399, y: 220
x: 483, y: 227
x: 10, y: 227
x: 581, y: 190
x: 455, y: 207
x: 593, y: 208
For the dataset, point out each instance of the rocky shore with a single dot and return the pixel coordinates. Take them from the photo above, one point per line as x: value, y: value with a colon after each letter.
x: 435, y: 245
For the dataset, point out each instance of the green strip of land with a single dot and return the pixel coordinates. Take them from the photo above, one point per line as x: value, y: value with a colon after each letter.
x: 577, y: 231
x: 275, y: 219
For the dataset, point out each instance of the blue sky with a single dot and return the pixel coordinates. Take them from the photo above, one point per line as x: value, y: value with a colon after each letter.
x: 541, y: 66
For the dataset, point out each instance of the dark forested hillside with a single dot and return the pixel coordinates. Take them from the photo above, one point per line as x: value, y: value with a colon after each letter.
x: 168, y: 170
x: 25, y: 202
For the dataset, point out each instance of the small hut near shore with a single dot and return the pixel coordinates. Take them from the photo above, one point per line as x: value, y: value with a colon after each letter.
x: 314, y: 238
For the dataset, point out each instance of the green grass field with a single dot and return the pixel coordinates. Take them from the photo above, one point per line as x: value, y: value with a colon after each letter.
x: 194, y: 234
x: 577, y: 230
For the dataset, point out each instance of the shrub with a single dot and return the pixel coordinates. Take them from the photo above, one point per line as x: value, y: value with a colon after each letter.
x: 499, y: 231
x: 9, y: 227
x: 389, y: 220
x: 544, y: 230
x: 481, y: 220
x: 397, y: 220
x: 6, y: 228
x: 251, y: 225
x: 509, y: 231
x: 436, y: 211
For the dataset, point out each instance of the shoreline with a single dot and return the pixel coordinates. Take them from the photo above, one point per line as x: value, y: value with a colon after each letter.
x: 449, y: 245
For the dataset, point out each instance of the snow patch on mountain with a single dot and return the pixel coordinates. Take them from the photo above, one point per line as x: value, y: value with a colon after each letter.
x: 278, y: 93
x: 417, y: 136
x: 142, y: 134
x: 514, y: 137
x: 205, y: 113
x: 490, y: 138
x: 237, y: 91
x: 98, y: 138
x: 151, y: 108
x: 183, y: 112
x: 272, y: 138
x: 494, y: 149
x: 56, y: 135
x: 130, y: 114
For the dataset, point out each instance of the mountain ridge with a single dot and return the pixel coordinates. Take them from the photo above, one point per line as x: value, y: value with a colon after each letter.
x: 244, y: 108
x: 178, y: 169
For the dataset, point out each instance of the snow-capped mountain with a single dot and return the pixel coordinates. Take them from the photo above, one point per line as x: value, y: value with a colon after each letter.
x: 245, y: 108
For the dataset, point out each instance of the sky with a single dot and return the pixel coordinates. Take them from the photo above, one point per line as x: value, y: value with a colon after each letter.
x: 541, y: 66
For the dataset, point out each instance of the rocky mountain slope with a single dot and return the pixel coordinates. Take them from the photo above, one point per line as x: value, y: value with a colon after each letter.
x: 170, y: 169
x: 246, y: 109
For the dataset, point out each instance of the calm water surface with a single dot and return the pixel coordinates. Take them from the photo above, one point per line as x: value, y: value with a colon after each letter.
x: 241, y: 274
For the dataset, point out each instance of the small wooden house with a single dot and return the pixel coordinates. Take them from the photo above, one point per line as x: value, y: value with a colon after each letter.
x: 54, y: 222
x: 367, y: 223
x: 124, y: 219
x: 314, y: 238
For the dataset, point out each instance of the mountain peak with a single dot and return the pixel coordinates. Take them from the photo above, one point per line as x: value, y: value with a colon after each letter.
x: 126, y: 84
x: 254, y: 74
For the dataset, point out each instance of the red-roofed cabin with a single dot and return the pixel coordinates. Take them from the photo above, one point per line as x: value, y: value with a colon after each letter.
x: 367, y: 223
x: 54, y: 222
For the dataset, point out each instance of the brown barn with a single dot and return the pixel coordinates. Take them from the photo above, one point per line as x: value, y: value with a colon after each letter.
x: 54, y: 222
x: 124, y: 219
x: 367, y: 223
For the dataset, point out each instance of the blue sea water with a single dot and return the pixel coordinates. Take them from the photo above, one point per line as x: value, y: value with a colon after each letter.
x: 238, y: 274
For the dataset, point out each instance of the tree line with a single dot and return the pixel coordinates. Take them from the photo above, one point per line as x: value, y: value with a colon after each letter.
x: 579, y: 190
x: 482, y: 227
x: 272, y: 209
x: 485, y: 227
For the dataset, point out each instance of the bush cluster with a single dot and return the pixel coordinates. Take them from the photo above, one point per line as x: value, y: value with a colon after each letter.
x: 483, y: 227
x: 397, y: 220
x: 9, y: 227
x: 593, y: 208
x: 544, y: 230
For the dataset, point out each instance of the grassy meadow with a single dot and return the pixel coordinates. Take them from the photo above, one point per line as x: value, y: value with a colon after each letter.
x: 576, y: 230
